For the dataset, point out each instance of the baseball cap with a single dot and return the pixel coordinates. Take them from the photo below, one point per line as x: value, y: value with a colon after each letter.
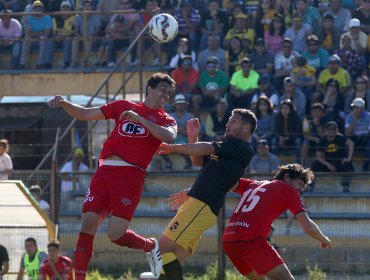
x: 78, y: 152
x: 264, y: 78
x: 331, y: 124
x: 288, y: 80
x: 312, y: 38
x: 179, y: 99
x: 37, y: 3
x: 245, y: 60
x: 259, y: 42
x: 222, y: 100
x: 287, y: 40
x: 262, y: 142
x: 185, y: 3
x: 354, y: 23
x: 35, y: 188
x: 334, y: 58
x: 241, y: 16
x: 66, y: 3
x: 296, y: 17
x: 187, y: 59
x: 212, y: 59
x: 358, y: 102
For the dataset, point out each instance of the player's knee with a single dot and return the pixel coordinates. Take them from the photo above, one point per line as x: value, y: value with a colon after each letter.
x: 113, y: 234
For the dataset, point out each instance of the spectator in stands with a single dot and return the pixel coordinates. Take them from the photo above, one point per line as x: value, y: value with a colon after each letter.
x: 263, y: 161
x: 15, y: 6
x: 264, y: 16
x: 10, y: 35
x: 39, y: 31
x: 298, y: 33
x: 63, y: 31
x: 6, y: 164
x: 243, y: 85
x: 333, y: 102
x: 362, y: 13
x: 358, y: 40
x: 4, y: 261
x: 186, y: 78
x: 181, y: 115
x: 213, y: 21
x: 265, y: 88
x: 334, y: 71
x: 287, y: 130
x: 361, y: 90
x: 286, y: 9
x: 304, y: 77
x: 233, y: 56
x: 56, y: 266
x: 265, y: 115
x: 188, y: 19
x: 213, y: 83
x: 262, y: 59
x: 316, y: 56
x: 310, y: 15
x: 241, y: 30
x: 212, y: 50
x: 121, y: 31
x: 334, y: 154
x: 107, y: 6
x: 349, y: 58
x: 357, y: 128
x: 72, y: 181
x: 183, y: 50
x: 313, y: 129
x: 295, y: 95
x: 216, y: 122
x: 341, y: 17
x: 35, y: 190
x: 284, y: 63
x: 92, y: 30
x: 275, y: 35
x: 31, y: 260
x: 326, y: 35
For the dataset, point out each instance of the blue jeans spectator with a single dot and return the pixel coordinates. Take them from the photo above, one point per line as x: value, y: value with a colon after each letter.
x: 45, y: 51
x: 16, y: 51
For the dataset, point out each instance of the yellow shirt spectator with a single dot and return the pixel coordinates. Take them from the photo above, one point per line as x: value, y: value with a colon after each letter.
x: 341, y: 76
x: 64, y: 28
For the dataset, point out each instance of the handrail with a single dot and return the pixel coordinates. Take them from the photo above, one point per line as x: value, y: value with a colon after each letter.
x: 105, y: 81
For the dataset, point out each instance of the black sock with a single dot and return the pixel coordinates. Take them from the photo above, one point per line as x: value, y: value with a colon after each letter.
x: 173, y: 270
x: 162, y: 277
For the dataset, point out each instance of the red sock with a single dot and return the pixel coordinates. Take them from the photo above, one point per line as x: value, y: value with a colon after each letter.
x: 132, y: 240
x: 82, y: 254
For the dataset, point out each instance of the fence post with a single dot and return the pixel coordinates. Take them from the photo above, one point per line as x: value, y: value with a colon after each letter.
x: 221, y: 255
x: 54, y: 180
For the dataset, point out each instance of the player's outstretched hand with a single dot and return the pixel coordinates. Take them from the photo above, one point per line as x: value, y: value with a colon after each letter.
x: 326, y: 243
x: 177, y: 199
x: 131, y: 116
x: 55, y: 102
x: 193, y: 128
x: 165, y: 149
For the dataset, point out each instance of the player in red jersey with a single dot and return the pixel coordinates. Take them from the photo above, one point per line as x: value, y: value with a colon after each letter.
x: 55, y: 267
x: 244, y: 238
x: 116, y: 186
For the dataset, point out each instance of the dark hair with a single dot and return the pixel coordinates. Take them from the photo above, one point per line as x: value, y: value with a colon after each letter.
x: 54, y: 243
x: 270, y: 107
x: 282, y: 29
x: 328, y: 16
x: 248, y: 117
x: 259, y: 28
x: 292, y: 117
x: 331, y: 81
x: 317, y: 105
x: 295, y: 171
x: 301, y: 61
x: 156, y: 78
x: 31, y: 239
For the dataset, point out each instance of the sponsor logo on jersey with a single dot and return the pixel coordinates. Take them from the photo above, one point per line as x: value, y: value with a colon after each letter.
x: 128, y: 129
x: 126, y: 201
x: 174, y: 226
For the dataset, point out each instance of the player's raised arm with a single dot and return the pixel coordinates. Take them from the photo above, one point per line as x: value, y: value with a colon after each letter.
x: 196, y: 149
x: 311, y: 229
x: 193, y: 128
x: 76, y: 111
x: 165, y: 134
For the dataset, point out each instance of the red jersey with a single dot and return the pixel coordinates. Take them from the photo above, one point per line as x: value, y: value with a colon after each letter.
x: 63, y: 266
x: 184, y: 80
x: 132, y: 141
x: 261, y: 203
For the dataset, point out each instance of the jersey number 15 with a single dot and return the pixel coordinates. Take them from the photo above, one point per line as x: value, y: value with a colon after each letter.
x: 249, y: 200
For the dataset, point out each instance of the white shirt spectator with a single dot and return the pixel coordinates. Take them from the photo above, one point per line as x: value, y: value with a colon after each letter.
x: 68, y: 185
x: 5, y: 164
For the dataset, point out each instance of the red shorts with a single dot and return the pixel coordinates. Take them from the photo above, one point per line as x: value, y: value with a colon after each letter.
x: 115, y: 189
x: 257, y: 255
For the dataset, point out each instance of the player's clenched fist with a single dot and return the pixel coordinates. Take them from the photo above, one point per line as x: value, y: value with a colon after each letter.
x: 193, y: 127
x: 326, y: 243
x: 131, y: 116
x: 165, y: 149
x: 55, y: 102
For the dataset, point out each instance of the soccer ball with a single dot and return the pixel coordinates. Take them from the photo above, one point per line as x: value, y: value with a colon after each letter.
x: 163, y: 28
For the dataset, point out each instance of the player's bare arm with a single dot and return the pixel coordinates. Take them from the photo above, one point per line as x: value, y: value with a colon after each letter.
x: 76, y: 111
x: 177, y: 199
x: 197, y: 149
x: 311, y: 229
x: 193, y: 128
x: 165, y: 134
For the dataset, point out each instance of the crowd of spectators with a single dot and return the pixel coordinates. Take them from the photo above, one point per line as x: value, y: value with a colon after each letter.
x: 298, y: 64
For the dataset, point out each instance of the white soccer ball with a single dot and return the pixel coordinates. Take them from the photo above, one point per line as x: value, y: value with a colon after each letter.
x: 163, y: 28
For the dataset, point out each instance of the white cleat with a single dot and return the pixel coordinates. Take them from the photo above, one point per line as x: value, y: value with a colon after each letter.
x: 154, y: 258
